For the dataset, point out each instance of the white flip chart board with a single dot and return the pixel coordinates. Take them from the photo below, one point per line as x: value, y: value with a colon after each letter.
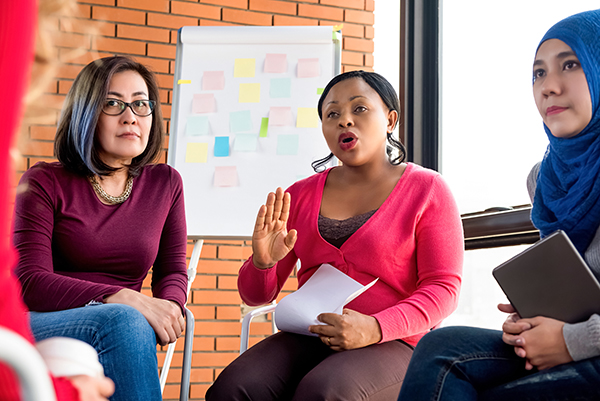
x: 244, y: 118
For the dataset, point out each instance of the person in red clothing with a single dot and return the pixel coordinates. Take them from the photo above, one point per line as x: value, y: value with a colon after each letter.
x: 374, y: 216
x: 17, y: 37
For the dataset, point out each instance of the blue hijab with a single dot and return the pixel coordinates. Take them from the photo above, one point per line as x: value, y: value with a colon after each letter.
x: 567, y: 195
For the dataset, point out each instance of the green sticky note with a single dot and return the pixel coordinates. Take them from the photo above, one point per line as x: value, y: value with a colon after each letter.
x: 320, y: 91
x: 196, y: 153
x: 249, y: 93
x: 307, y: 117
x: 244, y: 68
x: 245, y: 143
x: 197, y: 126
x: 264, y: 127
x: 281, y: 87
x: 287, y: 145
x: 240, y: 121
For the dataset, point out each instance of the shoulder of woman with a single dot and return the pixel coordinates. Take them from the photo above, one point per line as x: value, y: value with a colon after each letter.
x: 42, y: 171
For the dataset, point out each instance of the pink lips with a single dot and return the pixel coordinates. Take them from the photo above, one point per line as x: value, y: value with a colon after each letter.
x: 347, y: 141
x: 554, y: 110
x: 129, y: 135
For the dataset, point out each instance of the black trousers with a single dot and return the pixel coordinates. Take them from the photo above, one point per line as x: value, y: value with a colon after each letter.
x: 288, y: 366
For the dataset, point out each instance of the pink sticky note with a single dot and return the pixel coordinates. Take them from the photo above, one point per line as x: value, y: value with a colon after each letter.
x: 280, y: 116
x: 226, y: 176
x: 275, y: 63
x: 213, y: 80
x: 203, y: 103
x: 308, y: 68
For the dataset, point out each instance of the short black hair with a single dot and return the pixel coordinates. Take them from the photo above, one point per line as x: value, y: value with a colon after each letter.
x: 75, y: 144
x: 388, y: 95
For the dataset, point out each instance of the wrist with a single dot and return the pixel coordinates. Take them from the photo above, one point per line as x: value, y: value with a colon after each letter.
x: 261, y: 266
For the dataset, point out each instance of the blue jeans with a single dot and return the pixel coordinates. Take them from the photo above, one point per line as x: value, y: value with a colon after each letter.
x: 467, y: 363
x: 125, y: 342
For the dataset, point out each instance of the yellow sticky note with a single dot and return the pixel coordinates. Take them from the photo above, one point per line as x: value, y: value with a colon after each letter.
x: 244, y: 68
x: 196, y: 152
x: 184, y: 81
x: 307, y: 117
x: 249, y: 93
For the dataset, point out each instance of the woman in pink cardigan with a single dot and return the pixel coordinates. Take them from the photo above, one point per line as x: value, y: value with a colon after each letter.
x: 374, y: 216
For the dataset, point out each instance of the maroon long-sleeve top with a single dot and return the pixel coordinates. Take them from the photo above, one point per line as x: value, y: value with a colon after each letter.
x: 74, y: 249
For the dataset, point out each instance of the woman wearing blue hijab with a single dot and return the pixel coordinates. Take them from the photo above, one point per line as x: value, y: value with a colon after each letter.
x: 538, y: 358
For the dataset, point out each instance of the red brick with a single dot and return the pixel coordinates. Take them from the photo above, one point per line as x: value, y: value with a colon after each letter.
x: 284, y: 20
x: 369, y: 32
x: 204, y: 343
x: 143, y: 33
x: 86, y: 26
x: 20, y: 164
x: 120, y: 46
x: 352, y: 58
x: 157, y: 66
x: 71, y: 57
x: 358, y: 4
x: 369, y: 5
x: 198, y: 391
x: 359, y: 17
x: 42, y: 132
x: 346, y: 68
x: 218, y: 266
x: 215, y: 297
x: 195, y: 10
x: 102, y: 2
x: 246, y: 17
x: 38, y: 148
x: 230, y: 252
x: 208, y: 251
x: 202, y: 312
x: 261, y: 328
x: 228, y: 3
x: 146, y: 5
x: 170, y: 21
x: 315, y: 11
x: 205, y: 282
x: 360, y: 45
x: 171, y: 391
x: 162, y: 51
x: 369, y: 60
x: 74, y: 40
x: 119, y: 15
x: 166, y: 82
x: 229, y: 313
x: 206, y: 359
x: 246, y: 252
x: 228, y: 344
x: 227, y: 282
x: 201, y: 375
x: 64, y: 87
x: 207, y: 22
x: 222, y: 241
x: 274, y: 6
x: 174, y: 375
x: 82, y: 11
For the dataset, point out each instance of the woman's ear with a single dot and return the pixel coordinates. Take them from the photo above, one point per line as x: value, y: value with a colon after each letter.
x: 392, y: 120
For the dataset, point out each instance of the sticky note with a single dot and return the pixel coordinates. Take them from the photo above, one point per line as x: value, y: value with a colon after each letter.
x: 280, y: 87
x: 245, y: 143
x: 203, y: 103
x: 249, y: 93
x: 264, y: 127
x: 275, y: 63
x: 226, y: 176
x: 221, y: 146
x: 280, y: 116
x: 196, y: 152
x: 197, y: 126
x: 240, y: 121
x: 307, y: 117
x: 184, y: 81
x: 287, y: 145
x: 320, y: 91
x: 308, y: 68
x: 244, y: 68
x: 213, y: 80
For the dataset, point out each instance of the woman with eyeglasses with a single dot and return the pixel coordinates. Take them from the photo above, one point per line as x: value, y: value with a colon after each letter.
x: 89, y: 227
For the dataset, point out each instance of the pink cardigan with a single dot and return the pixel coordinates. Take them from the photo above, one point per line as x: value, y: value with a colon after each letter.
x: 413, y: 243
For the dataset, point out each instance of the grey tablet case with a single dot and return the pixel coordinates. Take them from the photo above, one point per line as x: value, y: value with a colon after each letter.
x: 550, y: 279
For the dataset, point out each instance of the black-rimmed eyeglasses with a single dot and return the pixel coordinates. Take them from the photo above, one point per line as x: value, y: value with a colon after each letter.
x: 116, y: 107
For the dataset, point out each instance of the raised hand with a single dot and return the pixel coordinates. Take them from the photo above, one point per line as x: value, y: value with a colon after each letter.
x: 164, y: 316
x: 271, y: 241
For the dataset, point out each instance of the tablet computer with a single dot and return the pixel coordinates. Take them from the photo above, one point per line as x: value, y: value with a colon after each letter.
x: 550, y: 279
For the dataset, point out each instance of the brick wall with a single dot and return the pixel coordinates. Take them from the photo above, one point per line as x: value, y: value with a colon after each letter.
x: 147, y: 30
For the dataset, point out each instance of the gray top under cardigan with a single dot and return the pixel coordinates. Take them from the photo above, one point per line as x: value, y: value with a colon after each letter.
x: 582, y: 339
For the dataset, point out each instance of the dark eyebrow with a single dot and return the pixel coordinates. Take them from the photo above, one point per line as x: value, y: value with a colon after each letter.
x: 561, y: 55
x: 351, y: 98
x: 117, y: 94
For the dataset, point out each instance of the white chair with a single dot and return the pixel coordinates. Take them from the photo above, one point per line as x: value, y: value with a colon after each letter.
x: 188, y: 347
x: 245, y: 335
x: 28, y: 365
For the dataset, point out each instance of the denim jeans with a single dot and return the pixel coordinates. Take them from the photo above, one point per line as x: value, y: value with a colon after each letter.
x: 125, y: 342
x: 467, y: 363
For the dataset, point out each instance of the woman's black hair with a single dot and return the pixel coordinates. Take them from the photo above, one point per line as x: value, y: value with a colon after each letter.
x: 75, y: 144
x: 388, y: 95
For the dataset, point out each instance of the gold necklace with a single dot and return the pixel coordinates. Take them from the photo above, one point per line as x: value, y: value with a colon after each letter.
x: 109, y: 199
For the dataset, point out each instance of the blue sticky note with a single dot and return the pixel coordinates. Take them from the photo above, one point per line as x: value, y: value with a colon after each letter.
x: 287, y: 145
x: 281, y: 87
x: 197, y: 126
x: 240, y: 121
x: 221, y: 146
x: 245, y: 143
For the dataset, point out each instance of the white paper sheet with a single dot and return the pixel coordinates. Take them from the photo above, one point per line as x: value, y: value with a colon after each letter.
x: 328, y: 290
